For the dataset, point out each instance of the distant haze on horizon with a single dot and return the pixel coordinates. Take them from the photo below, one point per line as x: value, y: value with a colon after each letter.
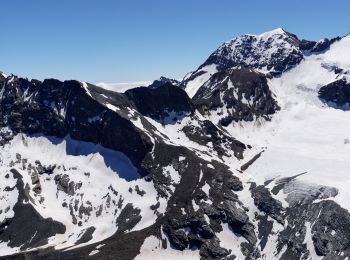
x: 133, y: 41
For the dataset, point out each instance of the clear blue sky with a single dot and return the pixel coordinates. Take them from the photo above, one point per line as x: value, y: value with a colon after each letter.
x: 133, y: 40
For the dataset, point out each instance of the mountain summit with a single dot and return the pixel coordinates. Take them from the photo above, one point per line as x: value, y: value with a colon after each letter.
x: 246, y: 158
x: 271, y: 53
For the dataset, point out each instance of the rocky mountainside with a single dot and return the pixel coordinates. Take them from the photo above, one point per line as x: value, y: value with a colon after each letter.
x: 246, y: 158
x: 271, y: 53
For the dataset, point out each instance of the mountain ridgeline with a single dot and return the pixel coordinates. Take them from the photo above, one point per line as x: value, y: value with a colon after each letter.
x: 244, y: 158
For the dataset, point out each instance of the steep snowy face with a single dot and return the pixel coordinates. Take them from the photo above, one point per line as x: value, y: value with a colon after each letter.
x: 271, y: 52
x: 66, y: 193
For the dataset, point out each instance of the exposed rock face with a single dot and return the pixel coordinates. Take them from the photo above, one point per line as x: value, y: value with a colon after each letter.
x: 317, y: 47
x: 337, y: 92
x: 27, y: 229
x: 331, y: 232
x: 207, y: 133
x: 237, y: 95
x: 159, y: 103
x: 65, y: 108
x: 264, y: 201
x: 273, y: 51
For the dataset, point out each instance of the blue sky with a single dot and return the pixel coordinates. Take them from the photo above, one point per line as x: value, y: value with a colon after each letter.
x: 134, y: 40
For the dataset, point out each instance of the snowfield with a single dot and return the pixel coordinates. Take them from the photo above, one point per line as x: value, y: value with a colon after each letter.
x: 97, y: 173
x: 122, y: 87
x: 307, y: 135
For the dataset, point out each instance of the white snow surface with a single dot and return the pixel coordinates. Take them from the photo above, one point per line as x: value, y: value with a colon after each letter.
x: 97, y: 169
x: 152, y: 250
x: 122, y: 87
x: 307, y: 135
x: 205, y: 74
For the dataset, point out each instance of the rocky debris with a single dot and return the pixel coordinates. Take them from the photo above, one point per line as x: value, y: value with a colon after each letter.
x: 177, y: 238
x: 328, y: 225
x: 239, y: 221
x: 161, y: 102
x: 64, y: 184
x: 36, y: 182
x: 235, y: 95
x: 207, y: 133
x: 187, y: 225
x: 139, y: 191
x: 85, y: 210
x: 128, y: 218
x: 264, y: 230
x: 331, y: 230
x: 33, y: 171
x: 212, y: 250
x: 264, y: 201
x: 43, y: 169
x: 337, y: 93
x: 87, y: 236
x: 27, y: 229
x: 304, y: 217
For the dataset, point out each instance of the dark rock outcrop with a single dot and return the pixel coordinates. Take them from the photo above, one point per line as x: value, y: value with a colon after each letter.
x: 237, y: 95
x: 337, y: 92
x: 27, y: 229
x: 160, y: 102
x: 207, y: 132
x: 264, y: 201
x: 56, y: 108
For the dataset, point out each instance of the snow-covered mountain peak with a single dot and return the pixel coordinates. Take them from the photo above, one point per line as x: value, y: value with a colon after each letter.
x: 271, y: 52
x: 278, y: 30
x: 253, y: 165
x: 265, y: 36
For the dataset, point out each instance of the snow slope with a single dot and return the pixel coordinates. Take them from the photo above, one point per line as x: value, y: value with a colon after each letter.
x: 122, y: 87
x: 95, y: 180
x: 307, y: 135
